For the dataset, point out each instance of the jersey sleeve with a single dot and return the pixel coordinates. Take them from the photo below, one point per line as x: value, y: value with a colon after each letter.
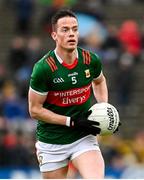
x: 38, y: 81
x: 97, y: 65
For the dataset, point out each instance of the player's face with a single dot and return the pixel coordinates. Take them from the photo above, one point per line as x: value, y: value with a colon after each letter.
x: 66, y: 34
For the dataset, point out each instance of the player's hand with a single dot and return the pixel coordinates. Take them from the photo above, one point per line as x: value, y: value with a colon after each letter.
x: 81, y: 122
x: 117, y: 127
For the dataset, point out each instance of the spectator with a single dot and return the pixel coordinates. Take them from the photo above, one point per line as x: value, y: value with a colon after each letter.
x: 24, y: 12
x: 3, y: 150
x: 130, y: 38
x: 20, y: 155
x: 138, y: 146
x: 17, y: 55
x: 125, y: 78
x: 111, y: 46
x: 13, y: 106
x: 51, y: 6
x: 34, y: 51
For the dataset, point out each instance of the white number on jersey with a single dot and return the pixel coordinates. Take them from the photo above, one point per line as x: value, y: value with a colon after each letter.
x: 74, y: 80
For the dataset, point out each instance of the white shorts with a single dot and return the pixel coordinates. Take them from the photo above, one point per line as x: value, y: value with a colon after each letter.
x: 55, y: 156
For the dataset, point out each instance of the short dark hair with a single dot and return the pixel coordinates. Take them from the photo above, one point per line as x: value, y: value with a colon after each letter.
x: 60, y: 14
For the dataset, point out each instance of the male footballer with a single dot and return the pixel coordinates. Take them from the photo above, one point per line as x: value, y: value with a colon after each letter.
x: 60, y: 92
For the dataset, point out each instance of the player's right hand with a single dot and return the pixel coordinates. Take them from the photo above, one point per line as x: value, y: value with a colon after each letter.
x: 117, y: 129
x: 81, y: 122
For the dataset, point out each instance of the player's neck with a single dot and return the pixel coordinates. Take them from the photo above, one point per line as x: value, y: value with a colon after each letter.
x: 67, y: 56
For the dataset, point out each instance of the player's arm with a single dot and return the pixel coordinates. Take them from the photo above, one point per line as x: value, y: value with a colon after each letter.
x: 100, y: 88
x: 37, y: 111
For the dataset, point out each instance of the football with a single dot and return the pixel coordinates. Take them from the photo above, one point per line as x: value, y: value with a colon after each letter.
x: 107, y: 115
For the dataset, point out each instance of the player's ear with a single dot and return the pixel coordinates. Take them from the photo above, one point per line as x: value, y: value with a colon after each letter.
x: 53, y: 35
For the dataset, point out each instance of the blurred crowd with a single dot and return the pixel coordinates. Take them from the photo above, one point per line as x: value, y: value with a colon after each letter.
x: 121, y: 47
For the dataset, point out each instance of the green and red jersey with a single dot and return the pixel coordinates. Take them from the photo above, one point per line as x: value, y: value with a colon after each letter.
x: 68, y: 90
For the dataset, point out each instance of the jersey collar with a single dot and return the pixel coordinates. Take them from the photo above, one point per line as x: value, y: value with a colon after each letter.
x: 65, y: 64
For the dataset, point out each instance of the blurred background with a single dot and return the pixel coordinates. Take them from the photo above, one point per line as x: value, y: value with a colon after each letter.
x: 114, y: 29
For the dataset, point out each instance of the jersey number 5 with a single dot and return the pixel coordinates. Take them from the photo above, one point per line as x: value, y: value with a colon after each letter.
x: 74, y: 80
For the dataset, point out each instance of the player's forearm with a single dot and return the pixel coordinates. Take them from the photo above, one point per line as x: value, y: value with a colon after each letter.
x: 40, y: 113
x: 100, y: 91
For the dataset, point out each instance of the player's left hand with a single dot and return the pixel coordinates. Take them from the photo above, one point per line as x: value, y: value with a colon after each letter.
x: 82, y: 122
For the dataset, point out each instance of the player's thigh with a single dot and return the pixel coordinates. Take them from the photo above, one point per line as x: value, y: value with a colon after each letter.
x: 90, y: 164
x: 53, y: 160
x: 56, y: 174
